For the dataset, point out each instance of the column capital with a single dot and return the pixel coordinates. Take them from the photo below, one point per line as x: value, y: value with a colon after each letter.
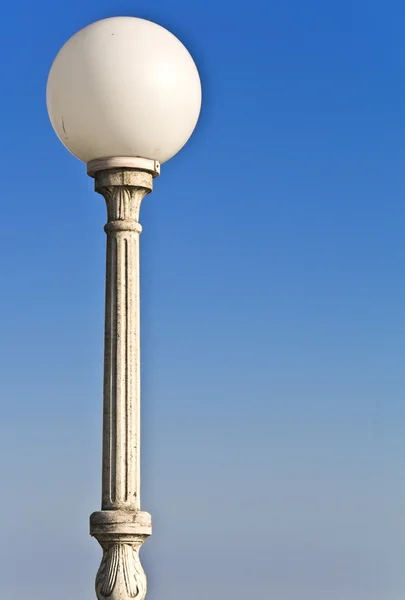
x: 123, y: 177
x: 123, y: 190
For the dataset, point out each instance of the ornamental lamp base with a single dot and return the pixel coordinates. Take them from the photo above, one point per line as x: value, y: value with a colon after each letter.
x: 147, y: 165
x: 120, y: 534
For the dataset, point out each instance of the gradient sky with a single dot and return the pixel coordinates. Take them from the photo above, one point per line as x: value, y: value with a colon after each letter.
x: 273, y: 312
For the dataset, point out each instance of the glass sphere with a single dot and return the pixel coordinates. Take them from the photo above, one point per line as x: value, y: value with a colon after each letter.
x: 123, y: 87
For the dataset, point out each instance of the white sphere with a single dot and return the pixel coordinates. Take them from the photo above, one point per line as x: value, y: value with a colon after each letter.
x: 123, y: 87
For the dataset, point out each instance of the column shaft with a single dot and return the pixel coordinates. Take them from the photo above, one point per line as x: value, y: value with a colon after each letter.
x: 121, y: 430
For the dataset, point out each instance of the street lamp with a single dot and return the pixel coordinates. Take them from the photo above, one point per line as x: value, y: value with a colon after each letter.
x: 124, y: 96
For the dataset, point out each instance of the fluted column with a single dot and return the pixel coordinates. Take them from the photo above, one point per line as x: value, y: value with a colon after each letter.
x: 120, y: 526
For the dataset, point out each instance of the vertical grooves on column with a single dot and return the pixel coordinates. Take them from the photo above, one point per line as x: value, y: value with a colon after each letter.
x: 114, y: 352
x: 137, y: 425
x: 120, y: 422
x: 121, y: 426
x: 121, y: 431
x: 122, y: 373
x: 113, y: 371
x: 110, y: 377
x: 128, y: 306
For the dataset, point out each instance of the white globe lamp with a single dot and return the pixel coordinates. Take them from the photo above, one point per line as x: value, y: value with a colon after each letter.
x: 123, y: 87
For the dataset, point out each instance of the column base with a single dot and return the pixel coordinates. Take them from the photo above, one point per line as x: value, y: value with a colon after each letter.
x: 121, y: 535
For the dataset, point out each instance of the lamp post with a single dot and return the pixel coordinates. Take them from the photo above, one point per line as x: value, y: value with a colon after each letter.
x: 124, y: 96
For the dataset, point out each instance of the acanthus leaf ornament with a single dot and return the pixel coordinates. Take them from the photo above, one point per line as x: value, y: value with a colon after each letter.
x: 121, y: 576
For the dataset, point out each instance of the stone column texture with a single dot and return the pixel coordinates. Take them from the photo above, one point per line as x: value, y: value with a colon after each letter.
x: 121, y: 527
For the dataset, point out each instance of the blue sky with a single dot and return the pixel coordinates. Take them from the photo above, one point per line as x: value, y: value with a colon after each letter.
x: 273, y: 312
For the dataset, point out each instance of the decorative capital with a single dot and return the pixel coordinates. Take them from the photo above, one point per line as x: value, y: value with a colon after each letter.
x: 123, y: 205
x: 123, y: 190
